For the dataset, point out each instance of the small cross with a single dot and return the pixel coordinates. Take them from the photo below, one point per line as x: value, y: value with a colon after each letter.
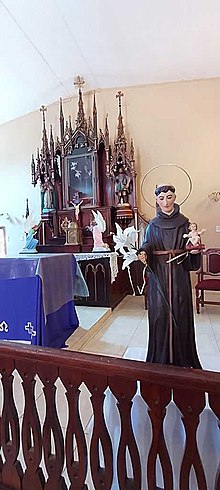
x: 119, y: 95
x: 30, y: 328
x: 43, y: 109
x: 79, y: 81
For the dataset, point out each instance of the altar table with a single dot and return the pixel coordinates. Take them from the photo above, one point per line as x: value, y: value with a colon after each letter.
x: 107, y: 283
x: 36, y: 299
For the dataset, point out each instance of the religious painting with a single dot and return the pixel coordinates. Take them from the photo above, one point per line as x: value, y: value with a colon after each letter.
x: 80, y: 178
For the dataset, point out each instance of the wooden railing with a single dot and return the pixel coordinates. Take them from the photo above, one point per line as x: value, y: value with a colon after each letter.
x: 88, y: 450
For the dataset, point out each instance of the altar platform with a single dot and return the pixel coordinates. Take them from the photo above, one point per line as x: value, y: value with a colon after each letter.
x: 37, y: 298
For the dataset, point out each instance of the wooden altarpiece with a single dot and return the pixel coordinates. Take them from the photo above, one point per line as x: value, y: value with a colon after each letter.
x: 80, y: 173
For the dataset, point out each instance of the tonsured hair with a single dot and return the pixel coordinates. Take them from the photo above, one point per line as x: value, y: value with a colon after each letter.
x: 164, y: 188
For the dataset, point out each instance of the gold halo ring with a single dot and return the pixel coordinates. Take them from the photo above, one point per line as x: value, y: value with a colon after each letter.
x: 167, y: 165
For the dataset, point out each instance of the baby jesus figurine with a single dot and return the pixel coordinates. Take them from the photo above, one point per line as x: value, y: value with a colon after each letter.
x: 194, y: 237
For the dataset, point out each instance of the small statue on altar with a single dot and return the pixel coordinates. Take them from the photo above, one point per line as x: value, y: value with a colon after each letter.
x: 122, y: 185
x: 47, y: 196
x: 31, y: 242
x: 97, y: 230
x: 194, y: 236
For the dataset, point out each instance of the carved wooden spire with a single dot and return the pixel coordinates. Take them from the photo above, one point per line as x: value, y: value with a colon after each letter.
x: 61, y: 121
x: 44, y: 169
x: 70, y: 127
x: 107, y: 147
x: 120, y: 140
x: 81, y: 120
x: 52, y: 153
x: 51, y: 141
x: 90, y: 128
x: 45, y: 146
x: 132, y: 161
x: 106, y: 132
x: 33, y: 171
x: 95, y: 119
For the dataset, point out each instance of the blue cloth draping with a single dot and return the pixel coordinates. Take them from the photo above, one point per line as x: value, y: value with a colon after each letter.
x: 37, y: 299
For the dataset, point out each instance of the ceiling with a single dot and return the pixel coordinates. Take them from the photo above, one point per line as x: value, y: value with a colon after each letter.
x: 44, y: 44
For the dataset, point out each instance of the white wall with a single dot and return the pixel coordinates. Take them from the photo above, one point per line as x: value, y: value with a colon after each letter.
x: 17, y: 142
x: 173, y: 123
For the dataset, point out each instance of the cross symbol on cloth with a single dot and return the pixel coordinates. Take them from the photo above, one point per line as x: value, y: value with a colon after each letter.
x: 30, y: 328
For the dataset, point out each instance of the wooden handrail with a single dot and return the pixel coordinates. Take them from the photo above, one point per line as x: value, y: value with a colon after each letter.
x: 46, y: 448
x: 136, y: 370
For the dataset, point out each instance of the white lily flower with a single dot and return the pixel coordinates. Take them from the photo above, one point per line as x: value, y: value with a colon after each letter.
x: 128, y: 259
x: 125, y: 242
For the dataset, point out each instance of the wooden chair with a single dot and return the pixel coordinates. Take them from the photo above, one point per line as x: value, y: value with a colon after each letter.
x: 208, y: 277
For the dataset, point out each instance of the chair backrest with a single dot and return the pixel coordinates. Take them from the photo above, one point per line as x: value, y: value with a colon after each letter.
x: 212, y: 261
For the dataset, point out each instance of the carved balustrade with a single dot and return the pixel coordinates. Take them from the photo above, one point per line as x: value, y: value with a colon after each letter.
x: 59, y: 429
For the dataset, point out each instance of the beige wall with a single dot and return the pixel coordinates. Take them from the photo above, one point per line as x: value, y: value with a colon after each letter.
x: 172, y: 124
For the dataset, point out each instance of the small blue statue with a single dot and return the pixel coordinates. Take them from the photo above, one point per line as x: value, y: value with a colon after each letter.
x: 31, y: 242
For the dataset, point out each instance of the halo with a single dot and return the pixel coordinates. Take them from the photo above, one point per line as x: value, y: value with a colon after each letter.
x: 167, y: 165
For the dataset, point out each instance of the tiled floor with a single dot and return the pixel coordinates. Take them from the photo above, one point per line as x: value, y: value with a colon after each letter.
x: 90, y: 322
x: 124, y: 332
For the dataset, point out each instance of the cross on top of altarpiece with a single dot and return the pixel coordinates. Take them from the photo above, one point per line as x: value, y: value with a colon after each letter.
x: 119, y: 95
x: 79, y: 81
x: 43, y: 109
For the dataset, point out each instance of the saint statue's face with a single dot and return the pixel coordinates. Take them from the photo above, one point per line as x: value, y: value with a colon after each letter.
x: 165, y: 201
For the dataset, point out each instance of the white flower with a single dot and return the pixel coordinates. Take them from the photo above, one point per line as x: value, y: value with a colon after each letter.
x: 128, y: 259
x: 125, y: 242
